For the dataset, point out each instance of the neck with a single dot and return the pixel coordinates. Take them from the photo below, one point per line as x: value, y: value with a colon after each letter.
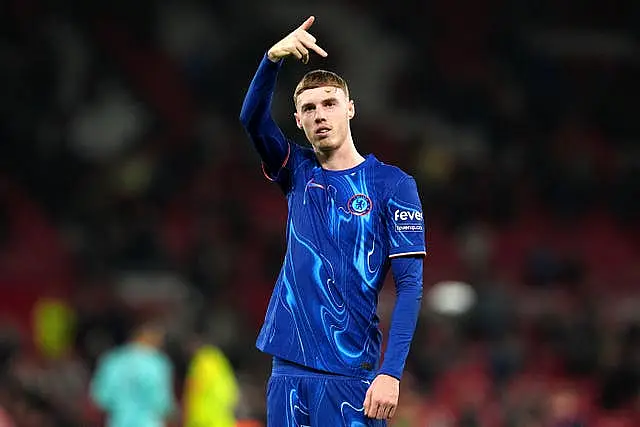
x: 345, y: 157
x: 141, y: 342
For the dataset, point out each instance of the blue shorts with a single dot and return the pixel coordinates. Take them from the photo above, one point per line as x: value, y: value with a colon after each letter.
x: 299, y: 396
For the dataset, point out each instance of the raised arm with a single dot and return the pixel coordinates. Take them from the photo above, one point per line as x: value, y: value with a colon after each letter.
x: 255, y: 115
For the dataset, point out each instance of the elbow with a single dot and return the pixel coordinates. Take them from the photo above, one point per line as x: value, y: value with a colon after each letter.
x: 410, y: 290
x: 246, y: 116
x: 248, y: 122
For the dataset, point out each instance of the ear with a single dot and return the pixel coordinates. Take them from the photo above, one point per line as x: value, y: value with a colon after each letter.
x: 351, y: 109
x: 298, y: 122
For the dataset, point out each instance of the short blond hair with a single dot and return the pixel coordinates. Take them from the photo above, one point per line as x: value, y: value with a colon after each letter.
x: 319, y: 78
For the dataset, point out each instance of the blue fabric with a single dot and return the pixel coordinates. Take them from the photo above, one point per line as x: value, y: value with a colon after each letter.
x: 300, y: 397
x: 407, y: 275
x: 255, y: 116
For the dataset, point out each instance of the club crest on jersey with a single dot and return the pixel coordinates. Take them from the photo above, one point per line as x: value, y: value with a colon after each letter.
x: 359, y: 204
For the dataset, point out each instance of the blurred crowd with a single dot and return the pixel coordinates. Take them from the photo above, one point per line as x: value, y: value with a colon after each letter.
x: 128, y: 191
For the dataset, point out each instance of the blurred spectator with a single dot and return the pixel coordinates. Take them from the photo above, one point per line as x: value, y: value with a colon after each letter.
x: 564, y: 409
x: 133, y: 384
x: 211, y: 391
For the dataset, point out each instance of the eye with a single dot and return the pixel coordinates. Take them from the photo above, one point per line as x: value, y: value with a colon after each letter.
x: 307, y: 108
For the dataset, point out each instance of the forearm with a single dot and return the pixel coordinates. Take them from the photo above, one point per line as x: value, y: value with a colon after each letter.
x: 255, y: 117
x: 407, y: 273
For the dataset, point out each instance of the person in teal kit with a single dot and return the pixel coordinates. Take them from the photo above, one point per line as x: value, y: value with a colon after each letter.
x: 133, y: 384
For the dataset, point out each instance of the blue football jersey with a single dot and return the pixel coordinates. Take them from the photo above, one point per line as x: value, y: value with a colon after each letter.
x: 342, y: 228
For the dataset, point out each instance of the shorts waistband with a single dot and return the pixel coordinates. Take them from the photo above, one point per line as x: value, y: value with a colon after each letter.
x: 285, y: 367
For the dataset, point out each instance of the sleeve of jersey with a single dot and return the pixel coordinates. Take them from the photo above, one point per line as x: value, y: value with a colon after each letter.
x: 255, y: 116
x: 405, y: 220
x: 407, y: 275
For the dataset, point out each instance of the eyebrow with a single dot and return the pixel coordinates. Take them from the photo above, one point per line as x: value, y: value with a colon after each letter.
x: 311, y: 104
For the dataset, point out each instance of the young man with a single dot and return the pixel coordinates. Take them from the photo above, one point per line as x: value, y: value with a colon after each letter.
x: 350, y: 218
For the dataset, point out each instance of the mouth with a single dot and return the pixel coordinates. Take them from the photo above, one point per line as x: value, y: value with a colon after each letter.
x: 323, y: 131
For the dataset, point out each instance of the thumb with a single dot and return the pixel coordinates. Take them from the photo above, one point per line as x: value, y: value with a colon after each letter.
x: 308, y: 23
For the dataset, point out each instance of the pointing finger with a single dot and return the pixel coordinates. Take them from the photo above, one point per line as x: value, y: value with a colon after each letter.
x: 308, y: 23
x: 320, y: 51
x: 317, y: 49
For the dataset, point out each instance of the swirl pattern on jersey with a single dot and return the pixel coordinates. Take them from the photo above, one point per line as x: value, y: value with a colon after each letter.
x: 322, y: 313
x: 352, y: 245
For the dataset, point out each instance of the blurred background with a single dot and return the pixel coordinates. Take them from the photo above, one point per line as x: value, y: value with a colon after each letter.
x: 129, y: 192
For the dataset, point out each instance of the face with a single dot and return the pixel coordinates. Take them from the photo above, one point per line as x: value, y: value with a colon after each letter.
x: 324, y: 113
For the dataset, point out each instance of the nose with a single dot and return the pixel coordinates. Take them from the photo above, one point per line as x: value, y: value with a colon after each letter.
x: 319, y: 116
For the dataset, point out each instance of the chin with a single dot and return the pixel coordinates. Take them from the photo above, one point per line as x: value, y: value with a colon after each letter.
x: 325, y: 145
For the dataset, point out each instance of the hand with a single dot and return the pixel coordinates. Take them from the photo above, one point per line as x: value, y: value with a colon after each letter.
x: 381, y: 399
x: 297, y: 43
